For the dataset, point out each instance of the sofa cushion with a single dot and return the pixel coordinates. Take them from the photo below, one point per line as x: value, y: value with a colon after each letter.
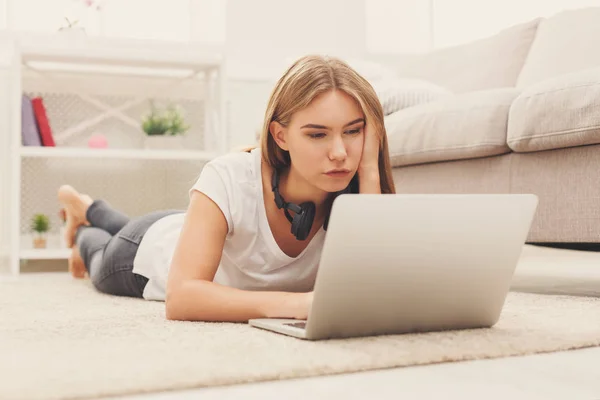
x: 557, y: 113
x: 396, y: 93
x: 492, y: 62
x: 469, y: 125
x: 566, y: 42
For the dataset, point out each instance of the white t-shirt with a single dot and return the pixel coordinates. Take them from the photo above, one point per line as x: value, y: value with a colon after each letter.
x: 252, y: 259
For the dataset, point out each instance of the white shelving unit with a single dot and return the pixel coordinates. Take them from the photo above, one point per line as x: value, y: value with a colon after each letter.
x: 44, y: 254
x: 102, y: 86
x: 53, y: 152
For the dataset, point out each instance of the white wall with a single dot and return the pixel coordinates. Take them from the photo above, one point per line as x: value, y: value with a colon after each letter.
x: 395, y: 26
x: 3, y: 15
x: 6, y: 57
x: 208, y: 21
x: 385, y: 25
x: 171, y: 20
x: 262, y: 34
x: 399, y: 26
x: 262, y: 38
x: 162, y: 20
x: 4, y: 222
x: 460, y: 21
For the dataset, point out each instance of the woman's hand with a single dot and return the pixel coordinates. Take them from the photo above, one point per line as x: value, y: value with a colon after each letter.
x: 286, y: 305
x: 370, y: 155
x: 368, y: 169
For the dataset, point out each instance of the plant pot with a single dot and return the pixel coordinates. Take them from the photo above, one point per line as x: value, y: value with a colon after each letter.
x: 39, y: 242
x: 163, y: 142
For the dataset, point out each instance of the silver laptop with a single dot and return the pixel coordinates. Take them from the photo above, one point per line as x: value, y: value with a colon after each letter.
x: 400, y: 263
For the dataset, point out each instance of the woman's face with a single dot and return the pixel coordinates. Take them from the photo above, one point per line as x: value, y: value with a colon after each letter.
x: 325, y: 140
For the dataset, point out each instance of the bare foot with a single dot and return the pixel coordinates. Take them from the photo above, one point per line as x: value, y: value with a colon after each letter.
x: 76, y: 265
x: 75, y: 207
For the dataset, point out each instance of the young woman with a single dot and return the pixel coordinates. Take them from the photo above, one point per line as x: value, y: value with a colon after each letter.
x: 248, y: 246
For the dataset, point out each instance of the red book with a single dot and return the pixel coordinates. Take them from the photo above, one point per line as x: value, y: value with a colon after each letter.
x: 42, y: 121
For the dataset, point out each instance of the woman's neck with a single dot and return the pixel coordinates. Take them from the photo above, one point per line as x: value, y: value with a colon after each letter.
x: 295, y: 189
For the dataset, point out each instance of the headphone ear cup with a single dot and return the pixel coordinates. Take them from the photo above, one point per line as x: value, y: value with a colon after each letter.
x: 303, y: 221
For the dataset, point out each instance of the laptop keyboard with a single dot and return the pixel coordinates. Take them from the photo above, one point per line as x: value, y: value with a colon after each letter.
x: 301, y: 325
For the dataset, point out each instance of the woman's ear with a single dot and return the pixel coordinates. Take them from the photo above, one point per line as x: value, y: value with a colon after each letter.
x: 279, y: 133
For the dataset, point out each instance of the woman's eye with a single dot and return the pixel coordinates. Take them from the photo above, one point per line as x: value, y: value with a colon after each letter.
x: 321, y: 135
x: 353, y: 131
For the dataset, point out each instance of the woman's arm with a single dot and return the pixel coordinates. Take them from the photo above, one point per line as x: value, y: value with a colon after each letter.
x: 191, y: 293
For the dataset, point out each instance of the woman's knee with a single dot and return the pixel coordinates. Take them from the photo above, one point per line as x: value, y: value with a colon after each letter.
x: 121, y: 282
x: 90, y: 240
x: 115, y: 275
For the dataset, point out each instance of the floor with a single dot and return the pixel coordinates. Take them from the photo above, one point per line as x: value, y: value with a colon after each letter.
x: 565, y: 375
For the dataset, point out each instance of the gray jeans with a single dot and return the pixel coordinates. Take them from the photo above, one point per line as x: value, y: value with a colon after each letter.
x: 108, y: 248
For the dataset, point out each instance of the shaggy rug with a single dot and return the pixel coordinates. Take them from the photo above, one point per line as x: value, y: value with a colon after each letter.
x: 61, y: 339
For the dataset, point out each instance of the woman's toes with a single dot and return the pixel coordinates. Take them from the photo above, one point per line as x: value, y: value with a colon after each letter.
x: 75, y: 211
x: 74, y: 203
x: 66, y: 194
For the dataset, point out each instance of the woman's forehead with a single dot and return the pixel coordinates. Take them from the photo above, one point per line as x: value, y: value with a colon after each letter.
x: 334, y: 108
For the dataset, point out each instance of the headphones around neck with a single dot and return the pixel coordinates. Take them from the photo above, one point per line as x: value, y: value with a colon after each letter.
x: 304, y: 214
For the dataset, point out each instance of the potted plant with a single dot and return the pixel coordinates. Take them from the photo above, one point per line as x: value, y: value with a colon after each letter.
x: 163, y: 128
x: 40, y: 225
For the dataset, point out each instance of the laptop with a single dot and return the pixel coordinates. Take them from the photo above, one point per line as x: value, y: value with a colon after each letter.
x: 406, y: 263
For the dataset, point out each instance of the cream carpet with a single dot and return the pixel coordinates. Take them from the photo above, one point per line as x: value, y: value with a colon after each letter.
x: 61, y: 339
x: 547, y: 270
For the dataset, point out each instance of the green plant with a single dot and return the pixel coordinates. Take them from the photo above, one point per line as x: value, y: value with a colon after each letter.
x: 177, y: 125
x: 40, y: 223
x: 168, y: 122
x: 155, y: 123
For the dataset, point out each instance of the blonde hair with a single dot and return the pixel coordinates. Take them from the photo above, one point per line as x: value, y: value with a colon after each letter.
x: 304, y: 80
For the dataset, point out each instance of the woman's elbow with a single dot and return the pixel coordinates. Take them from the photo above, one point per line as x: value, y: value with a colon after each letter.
x: 172, y: 304
x: 182, y: 299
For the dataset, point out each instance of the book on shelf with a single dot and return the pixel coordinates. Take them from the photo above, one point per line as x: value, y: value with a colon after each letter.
x: 30, y: 135
x: 42, y: 122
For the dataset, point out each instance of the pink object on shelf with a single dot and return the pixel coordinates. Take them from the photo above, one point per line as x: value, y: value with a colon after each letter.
x: 98, y: 142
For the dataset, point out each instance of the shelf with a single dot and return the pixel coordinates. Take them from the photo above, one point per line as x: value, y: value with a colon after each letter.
x: 88, y: 81
x: 81, y: 49
x: 139, y: 154
x: 45, y: 254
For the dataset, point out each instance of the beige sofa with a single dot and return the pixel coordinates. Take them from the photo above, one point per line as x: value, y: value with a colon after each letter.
x: 524, y: 117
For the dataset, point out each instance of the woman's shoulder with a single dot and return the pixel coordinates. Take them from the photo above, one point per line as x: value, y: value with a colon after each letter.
x: 235, y: 158
x: 229, y: 179
x: 237, y: 165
